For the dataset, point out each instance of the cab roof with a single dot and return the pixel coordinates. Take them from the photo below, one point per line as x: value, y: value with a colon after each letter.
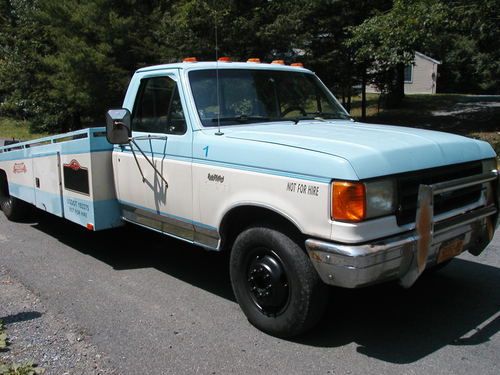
x: 222, y: 65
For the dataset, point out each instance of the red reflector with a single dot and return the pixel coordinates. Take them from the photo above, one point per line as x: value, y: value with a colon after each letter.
x: 225, y: 59
x: 279, y: 62
x: 90, y: 226
x: 190, y: 60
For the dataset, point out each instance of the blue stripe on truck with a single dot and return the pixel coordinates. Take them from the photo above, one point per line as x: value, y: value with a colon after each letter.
x: 102, y: 214
x: 25, y: 193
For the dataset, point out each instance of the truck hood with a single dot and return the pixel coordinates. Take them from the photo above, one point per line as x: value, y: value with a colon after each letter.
x: 372, y: 150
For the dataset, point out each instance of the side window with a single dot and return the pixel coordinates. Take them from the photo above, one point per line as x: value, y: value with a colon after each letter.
x: 158, y: 107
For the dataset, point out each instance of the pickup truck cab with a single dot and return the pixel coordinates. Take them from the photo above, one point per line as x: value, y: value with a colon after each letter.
x: 262, y: 161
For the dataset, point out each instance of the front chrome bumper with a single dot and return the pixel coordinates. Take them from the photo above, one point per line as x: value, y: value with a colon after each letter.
x: 406, y: 256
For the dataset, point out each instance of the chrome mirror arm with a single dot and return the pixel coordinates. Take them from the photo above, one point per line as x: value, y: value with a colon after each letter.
x: 132, y: 141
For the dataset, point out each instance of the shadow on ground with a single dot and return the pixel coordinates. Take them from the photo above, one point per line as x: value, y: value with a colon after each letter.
x: 20, y: 317
x: 456, y: 306
x: 132, y: 247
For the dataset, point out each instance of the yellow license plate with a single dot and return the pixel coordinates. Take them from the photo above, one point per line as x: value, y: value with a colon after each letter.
x: 450, y: 249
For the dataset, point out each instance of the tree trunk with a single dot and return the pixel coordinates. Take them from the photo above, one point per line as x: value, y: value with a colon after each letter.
x: 363, y: 95
x: 396, y: 88
x: 400, y: 81
x: 76, y: 122
x: 349, y: 100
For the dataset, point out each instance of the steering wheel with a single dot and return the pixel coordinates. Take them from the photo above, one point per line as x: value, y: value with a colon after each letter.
x: 294, y: 108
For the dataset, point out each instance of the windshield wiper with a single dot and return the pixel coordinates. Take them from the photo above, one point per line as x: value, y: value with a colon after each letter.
x: 241, y: 118
x: 321, y: 116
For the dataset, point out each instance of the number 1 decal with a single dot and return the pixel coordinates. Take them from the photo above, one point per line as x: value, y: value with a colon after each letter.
x: 206, y: 151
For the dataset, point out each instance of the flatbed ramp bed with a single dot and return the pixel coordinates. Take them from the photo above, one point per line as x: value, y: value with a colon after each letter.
x: 69, y: 175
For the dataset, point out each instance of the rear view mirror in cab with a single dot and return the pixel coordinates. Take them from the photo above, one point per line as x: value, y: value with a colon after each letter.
x: 118, y: 130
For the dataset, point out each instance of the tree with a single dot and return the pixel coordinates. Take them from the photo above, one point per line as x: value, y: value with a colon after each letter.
x: 327, y: 24
x: 255, y: 28
x: 21, y: 47
x: 93, y: 50
x: 66, y: 62
x: 387, y: 41
x: 471, y: 62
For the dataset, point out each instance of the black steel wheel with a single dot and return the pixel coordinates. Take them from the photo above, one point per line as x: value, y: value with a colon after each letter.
x: 267, y: 281
x: 275, y: 283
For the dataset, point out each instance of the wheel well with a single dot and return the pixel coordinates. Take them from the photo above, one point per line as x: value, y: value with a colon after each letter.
x: 4, y: 186
x: 239, y: 218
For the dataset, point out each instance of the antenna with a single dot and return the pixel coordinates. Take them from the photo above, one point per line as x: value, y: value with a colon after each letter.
x: 217, y: 76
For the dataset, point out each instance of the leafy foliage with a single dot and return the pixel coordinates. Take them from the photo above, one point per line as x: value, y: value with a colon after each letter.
x: 469, y: 48
x: 20, y: 369
x: 388, y: 41
x: 63, y: 63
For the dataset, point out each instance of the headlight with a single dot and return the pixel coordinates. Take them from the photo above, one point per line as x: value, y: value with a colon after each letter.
x: 358, y: 201
x: 380, y: 198
x: 490, y: 165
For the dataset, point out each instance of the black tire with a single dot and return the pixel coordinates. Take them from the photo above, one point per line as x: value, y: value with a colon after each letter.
x: 14, y: 209
x: 275, y: 283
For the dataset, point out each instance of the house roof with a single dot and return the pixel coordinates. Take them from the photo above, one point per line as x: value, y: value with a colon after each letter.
x: 419, y: 54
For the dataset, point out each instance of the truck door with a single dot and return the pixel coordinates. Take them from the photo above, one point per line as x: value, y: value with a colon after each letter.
x: 47, y: 182
x: 160, y: 130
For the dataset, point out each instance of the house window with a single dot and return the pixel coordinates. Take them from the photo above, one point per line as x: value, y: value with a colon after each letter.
x: 408, y: 73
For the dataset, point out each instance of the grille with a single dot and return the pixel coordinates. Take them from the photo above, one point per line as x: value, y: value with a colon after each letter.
x: 408, y: 190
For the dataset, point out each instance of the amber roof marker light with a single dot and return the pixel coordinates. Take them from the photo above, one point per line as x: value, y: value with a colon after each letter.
x: 255, y: 60
x: 224, y: 59
x: 189, y: 60
x: 297, y: 65
x: 278, y: 62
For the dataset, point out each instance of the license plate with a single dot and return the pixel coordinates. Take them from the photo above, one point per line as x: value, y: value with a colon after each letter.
x: 450, y: 249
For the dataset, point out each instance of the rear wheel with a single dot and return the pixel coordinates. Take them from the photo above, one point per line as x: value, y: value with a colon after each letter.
x: 14, y: 209
x: 275, y: 283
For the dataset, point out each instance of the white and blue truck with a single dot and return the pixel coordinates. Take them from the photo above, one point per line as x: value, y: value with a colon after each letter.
x: 261, y: 160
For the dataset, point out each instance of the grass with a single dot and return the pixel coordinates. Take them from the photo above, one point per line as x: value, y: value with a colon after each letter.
x: 371, y: 108
x: 17, y: 129
x: 3, y: 336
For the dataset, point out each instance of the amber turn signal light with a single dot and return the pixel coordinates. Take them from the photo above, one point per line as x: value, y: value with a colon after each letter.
x: 348, y: 201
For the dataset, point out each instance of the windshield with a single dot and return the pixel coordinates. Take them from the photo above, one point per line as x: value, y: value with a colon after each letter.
x: 251, y: 95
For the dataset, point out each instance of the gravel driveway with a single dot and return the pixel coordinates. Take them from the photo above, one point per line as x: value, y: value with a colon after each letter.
x: 42, y: 336
x: 144, y: 304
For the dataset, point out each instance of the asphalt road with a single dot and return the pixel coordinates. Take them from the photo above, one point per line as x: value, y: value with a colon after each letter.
x: 155, y: 305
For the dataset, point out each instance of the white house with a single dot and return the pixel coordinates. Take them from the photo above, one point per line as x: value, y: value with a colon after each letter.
x: 420, y: 77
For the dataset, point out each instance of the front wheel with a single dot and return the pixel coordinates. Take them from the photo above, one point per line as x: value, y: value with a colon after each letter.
x: 275, y: 283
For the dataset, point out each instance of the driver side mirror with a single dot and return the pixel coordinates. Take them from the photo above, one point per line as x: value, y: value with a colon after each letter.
x: 118, y: 129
